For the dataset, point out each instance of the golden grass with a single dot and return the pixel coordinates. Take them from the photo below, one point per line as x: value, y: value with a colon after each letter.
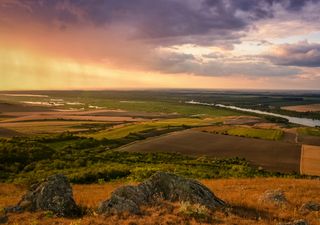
x: 242, y: 194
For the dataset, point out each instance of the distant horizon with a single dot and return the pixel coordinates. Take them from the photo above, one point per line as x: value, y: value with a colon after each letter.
x: 167, y: 89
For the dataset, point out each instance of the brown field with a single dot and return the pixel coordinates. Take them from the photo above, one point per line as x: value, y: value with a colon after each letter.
x: 241, y: 194
x: 272, y: 155
x: 303, y: 108
x: 310, y: 160
x: 41, y: 127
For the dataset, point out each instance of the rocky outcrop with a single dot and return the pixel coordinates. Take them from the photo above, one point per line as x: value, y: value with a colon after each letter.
x: 54, y: 194
x: 161, y: 186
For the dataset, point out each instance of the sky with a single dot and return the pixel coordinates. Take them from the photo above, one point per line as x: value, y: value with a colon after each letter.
x: 139, y: 44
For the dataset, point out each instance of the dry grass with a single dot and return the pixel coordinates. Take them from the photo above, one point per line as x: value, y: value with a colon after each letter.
x: 242, y: 194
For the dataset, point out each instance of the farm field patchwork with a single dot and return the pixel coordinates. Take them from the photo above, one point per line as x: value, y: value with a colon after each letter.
x: 125, y: 130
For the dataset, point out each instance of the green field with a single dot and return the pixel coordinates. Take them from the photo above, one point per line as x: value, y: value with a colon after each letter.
x: 309, y: 131
x: 268, y: 134
x: 123, y: 131
x: 250, y: 132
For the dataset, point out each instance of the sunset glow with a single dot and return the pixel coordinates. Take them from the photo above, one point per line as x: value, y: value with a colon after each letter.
x: 164, y: 44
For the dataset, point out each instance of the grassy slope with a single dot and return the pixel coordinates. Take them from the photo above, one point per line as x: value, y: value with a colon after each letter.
x: 242, y: 194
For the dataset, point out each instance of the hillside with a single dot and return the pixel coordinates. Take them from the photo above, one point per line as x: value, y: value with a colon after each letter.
x: 242, y: 194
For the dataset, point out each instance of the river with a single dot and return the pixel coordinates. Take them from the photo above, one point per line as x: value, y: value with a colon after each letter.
x: 297, y: 120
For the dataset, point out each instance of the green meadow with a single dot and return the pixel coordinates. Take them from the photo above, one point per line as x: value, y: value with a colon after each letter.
x: 268, y: 134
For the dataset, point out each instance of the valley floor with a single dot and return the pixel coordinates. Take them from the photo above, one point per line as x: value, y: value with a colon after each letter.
x: 243, y: 196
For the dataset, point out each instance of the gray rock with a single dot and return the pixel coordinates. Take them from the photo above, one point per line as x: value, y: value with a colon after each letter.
x: 274, y: 196
x: 163, y: 186
x: 54, y: 194
x: 310, y: 206
x: 296, y: 222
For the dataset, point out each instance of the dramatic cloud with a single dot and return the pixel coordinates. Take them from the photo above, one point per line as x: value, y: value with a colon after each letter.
x: 218, y: 66
x: 302, y: 54
x: 173, y: 21
x: 202, y: 38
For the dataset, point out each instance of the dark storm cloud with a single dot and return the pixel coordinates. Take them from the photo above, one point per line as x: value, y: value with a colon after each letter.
x: 216, y: 66
x: 163, y: 20
x: 302, y: 54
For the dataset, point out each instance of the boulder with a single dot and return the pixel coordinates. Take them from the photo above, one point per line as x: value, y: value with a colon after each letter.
x: 160, y: 186
x: 54, y: 194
